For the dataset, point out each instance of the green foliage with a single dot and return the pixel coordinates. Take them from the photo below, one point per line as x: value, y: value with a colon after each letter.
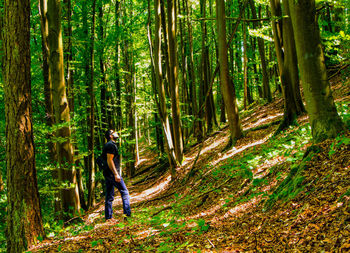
x: 201, y: 226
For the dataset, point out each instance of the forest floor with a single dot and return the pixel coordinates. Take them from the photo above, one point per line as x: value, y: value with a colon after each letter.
x: 265, y: 194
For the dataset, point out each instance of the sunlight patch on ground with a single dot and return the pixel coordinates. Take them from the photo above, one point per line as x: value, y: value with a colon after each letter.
x: 261, y: 121
x: 146, y: 233
x: 234, y: 150
x: 208, y: 212
x: 208, y: 148
x: 151, y: 192
x: 238, y: 210
x: 262, y: 170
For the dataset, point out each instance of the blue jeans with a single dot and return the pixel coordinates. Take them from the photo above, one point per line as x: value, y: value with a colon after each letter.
x: 110, y: 184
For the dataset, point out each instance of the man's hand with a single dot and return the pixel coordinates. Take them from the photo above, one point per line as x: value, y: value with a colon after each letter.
x: 117, y: 178
x: 112, y: 167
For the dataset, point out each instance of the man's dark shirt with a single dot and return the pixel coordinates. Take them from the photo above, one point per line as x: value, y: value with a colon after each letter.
x: 111, y: 148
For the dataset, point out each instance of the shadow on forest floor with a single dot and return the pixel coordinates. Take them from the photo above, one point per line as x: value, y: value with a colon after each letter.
x: 261, y: 195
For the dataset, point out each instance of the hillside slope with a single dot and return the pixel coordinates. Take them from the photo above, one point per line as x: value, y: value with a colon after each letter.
x: 265, y: 194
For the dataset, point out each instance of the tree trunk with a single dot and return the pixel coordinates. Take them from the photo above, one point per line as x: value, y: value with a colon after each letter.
x: 261, y: 46
x: 105, y: 100
x: 157, y: 65
x: 293, y: 105
x: 50, y: 117
x: 1, y: 183
x: 227, y: 86
x: 68, y: 56
x: 130, y: 102
x: 119, y: 115
x: 24, y: 222
x: 91, y: 115
x: 173, y: 81
x: 69, y: 194
x: 245, y: 65
x: 324, y: 119
x: 192, y: 78
x: 205, y: 71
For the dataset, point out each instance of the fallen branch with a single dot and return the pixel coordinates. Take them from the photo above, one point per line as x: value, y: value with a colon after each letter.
x: 340, y: 69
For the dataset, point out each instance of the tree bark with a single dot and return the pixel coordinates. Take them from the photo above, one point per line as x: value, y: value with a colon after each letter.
x: 245, y: 65
x: 68, y: 57
x: 50, y: 117
x: 205, y: 72
x: 261, y: 46
x: 69, y: 194
x: 119, y: 115
x: 227, y: 86
x: 24, y: 222
x: 105, y: 98
x: 130, y: 99
x: 324, y: 119
x: 173, y: 81
x: 158, y: 74
x: 293, y: 105
x: 192, y: 78
x: 91, y: 115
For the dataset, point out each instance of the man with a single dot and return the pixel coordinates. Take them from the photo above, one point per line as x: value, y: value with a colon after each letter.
x: 113, y: 176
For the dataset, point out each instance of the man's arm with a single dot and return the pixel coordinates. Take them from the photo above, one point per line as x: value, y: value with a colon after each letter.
x: 112, y: 167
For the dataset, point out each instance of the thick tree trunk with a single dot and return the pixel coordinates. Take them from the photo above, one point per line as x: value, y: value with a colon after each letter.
x: 227, y: 86
x: 24, y: 222
x: 324, y: 119
x: 50, y: 117
x: 69, y: 194
x: 173, y: 81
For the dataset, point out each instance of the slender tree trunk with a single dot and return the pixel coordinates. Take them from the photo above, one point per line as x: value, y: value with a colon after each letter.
x: 261, y: 46
x: 119, y: 115
x: 136, y: 127
x: 105, y: 101
x: 68, y: 56
x: 245, y: 65
x: 1, y: 183
x: 227, y: 86
x: 130, y: 99
x: 91, y: 115
x: 192, y: 78
x: 24, y: 221
x: 173, y: 81
x: 164, y: 47
x: 161, y: 89
x: 324, y: 119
